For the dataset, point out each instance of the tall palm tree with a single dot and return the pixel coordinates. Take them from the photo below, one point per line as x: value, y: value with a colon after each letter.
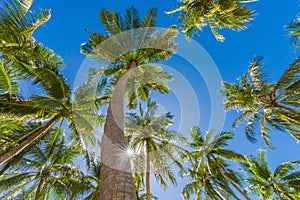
x: 283, y: 183
x: 294, y: 31
x: 217, y: 14
x: 153, y: 144
x: 46, y: 171
x: 264, y: 104
x: 129, y: 44
x: 208, y: 169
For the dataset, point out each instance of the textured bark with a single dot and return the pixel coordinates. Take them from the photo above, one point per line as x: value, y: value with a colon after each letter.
x: 116, y: 180
x: 37, y: 135
x: 148, y: 174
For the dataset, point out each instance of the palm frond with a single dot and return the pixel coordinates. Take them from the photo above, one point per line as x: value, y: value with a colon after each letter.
x: 8, y: 81
x: 268, y: 185
x: 195, y: 15
x: 294, y: 31
x: 290, y: 75
x: 149, y: 19
x: 132, y: 19
x: 108, y: 20
x: 255, y: 73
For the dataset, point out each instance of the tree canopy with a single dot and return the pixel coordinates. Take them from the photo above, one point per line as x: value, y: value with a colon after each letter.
x: 107, y: 138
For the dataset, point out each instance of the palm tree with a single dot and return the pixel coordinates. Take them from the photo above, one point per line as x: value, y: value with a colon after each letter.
x: 208, y: 170
x: 267, y: 105
x: 153, y: 144
x: 294, y: 31
x: 81, y: 115
x: 217, y: 14
x: 130, y: 43
x: 46, y: 171
x: 24, y: 59
x: 283, y: 183
x: 17, y: 114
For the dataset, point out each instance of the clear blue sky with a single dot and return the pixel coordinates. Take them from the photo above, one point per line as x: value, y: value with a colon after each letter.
x: 265, y: 37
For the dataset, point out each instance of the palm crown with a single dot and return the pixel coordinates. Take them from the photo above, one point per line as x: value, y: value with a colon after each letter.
x: 30, y: 61
x: 131, y: 39
x: 153, y: 143
x: 267, y: 105
x: 218, y: 14
x: 46, y: 171
x: 294, y: 31
x: 283, y: 183
x: 210, y: 174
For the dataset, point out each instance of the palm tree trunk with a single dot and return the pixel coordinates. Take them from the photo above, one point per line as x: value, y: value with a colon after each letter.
x: 37, y: 135
x: 234, y: 185
x: 37, y: 193
x: 148, y: 174
x: 116, y: 180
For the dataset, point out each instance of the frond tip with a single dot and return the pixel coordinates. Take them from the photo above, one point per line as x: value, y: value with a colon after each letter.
x: 266, y: 105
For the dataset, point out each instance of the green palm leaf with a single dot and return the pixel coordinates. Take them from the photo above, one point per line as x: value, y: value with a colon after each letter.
x: 290, y: 75
x: 268, y: 185
x: 49, y: 165
x: 265, y: 105
x: 8, y: 82
x: 210, y: 174
x: 217, y: 14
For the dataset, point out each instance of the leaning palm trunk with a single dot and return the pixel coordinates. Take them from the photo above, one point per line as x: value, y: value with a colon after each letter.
x: 230, y: 181
x: 29, y: 141
x: 38, y: 190
x: 116, y: 180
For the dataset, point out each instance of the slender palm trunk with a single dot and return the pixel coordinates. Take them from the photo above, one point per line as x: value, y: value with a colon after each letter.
x: 230, y: 181
x: 148, y: 174
x: 116, y: 180
x: 234, y: 185
x: 37, y: 135
x: 38, y: 190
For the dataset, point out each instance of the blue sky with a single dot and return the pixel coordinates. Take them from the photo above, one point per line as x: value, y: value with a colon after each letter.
x: 265, y: 37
